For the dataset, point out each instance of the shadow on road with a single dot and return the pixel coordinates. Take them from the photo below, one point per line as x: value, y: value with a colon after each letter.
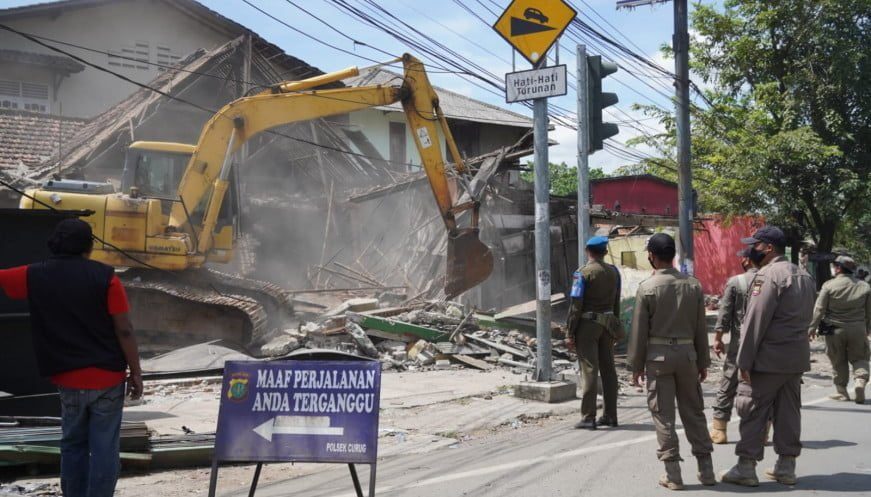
x: 826, y: 444
x: 857, y: 410
x: 631, y: 427
x: 839, y: 482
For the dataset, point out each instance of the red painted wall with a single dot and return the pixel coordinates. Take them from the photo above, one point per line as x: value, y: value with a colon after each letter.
x: 715, y: 245
x: 637, y: 195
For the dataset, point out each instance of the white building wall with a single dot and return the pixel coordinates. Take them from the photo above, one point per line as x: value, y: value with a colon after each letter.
x: 109, y: 27
x: 375, y: 124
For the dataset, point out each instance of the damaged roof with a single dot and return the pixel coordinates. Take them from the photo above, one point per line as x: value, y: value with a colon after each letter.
x: 454, y: 105
x: 27, y: 138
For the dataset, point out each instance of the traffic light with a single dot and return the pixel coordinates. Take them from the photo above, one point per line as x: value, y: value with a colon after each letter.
x: 597, y: 131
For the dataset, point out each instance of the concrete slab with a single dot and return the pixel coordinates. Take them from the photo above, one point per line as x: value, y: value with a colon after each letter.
x: 551, y: 392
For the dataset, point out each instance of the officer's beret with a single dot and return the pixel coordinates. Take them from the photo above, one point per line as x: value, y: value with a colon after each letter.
x: 767, y: 234
x: 597, y: 241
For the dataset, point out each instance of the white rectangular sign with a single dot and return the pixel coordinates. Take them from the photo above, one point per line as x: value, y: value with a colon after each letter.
x: 536, y: 83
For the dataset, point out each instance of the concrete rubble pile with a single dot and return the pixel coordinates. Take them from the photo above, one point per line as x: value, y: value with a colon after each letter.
x: 422, y: 336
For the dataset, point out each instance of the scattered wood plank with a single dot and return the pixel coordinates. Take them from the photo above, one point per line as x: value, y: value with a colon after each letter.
x: 472, y: 362
x: 508, y: 362
x: 498, y: 346
x: 527, y: 307
x: 390, y: 336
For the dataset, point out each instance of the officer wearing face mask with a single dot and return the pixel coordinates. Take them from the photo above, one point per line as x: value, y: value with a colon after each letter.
x: 844, y: 306
x: 773, y: 354
x: 669, y: 348
x: 729, y: 320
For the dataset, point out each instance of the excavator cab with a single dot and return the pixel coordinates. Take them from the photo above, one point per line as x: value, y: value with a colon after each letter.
x: 155, y: 168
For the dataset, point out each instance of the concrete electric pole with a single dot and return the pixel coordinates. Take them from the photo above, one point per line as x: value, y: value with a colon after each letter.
x: 681, y: 43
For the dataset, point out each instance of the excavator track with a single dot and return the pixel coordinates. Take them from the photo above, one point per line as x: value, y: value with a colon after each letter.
x: 197, y: 306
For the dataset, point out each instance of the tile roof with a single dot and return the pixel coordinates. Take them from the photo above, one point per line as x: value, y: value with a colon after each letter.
x: 454, y: 105
x: 27, y: 139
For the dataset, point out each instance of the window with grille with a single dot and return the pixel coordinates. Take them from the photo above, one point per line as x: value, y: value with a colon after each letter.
x: 21, y: 95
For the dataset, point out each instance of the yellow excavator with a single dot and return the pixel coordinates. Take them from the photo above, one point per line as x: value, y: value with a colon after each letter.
x: 168, y: 215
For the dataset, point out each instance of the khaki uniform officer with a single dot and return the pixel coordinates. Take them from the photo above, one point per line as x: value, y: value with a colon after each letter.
x: 729, y: 321
x: 844, y: 305
x: 594, y: 326
x: 669, y: 341
x: 774, y: 353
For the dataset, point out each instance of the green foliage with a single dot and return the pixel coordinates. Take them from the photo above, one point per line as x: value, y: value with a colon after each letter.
x: 788, y: 134
x: 563, y: 178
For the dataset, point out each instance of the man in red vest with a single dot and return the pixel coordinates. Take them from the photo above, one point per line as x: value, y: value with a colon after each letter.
x: 84, y: 342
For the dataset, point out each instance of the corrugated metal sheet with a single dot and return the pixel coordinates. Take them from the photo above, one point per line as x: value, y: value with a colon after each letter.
x: 715, y: 246
x: 641, y: 194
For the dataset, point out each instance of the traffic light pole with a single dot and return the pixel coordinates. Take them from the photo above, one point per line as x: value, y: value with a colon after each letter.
x: 542, y: 238
x: 583, y: 156
x: 685, y: 174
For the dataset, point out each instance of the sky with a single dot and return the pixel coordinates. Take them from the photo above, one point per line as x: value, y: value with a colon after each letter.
x: 467, y: 31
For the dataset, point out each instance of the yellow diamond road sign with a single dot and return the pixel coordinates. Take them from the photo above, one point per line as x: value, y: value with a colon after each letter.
x: 532, y: 26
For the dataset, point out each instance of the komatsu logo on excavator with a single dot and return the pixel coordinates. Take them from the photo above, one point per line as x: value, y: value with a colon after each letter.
x: 164, y: 248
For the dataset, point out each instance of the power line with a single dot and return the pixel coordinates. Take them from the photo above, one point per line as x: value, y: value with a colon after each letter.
x: 188, y: 102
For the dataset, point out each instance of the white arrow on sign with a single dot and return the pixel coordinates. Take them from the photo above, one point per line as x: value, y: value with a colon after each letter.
x: 297, y: 425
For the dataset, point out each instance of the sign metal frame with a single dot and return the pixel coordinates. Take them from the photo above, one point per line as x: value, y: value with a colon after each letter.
x: 234, y: 443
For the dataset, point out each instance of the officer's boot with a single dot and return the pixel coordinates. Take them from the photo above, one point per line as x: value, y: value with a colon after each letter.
x: 783, y: 470
x: 840, y: 393
x: 706, y: 470
x: 743, y: 473
x: 859, y: 390
x: 718, y: 431
x: 671, y: 479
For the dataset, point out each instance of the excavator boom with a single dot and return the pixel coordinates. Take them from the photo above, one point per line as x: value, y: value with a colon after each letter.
x: 469, y: 261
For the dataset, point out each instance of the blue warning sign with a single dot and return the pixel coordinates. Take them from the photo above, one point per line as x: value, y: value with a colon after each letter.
x: 307, y: 411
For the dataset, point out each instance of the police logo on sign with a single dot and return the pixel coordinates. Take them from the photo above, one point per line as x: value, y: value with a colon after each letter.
x: 238, y: 388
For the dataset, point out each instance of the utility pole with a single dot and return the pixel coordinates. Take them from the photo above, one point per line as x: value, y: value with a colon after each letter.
x: 583, y: 156
x: 681, y: 42
x: 542, y: 237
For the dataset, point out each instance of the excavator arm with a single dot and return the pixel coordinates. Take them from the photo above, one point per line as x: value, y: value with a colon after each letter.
x: 206, y: 178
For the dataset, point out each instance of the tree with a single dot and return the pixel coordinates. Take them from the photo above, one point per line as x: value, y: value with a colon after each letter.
x: 787, y: 133
x: 563, y: 179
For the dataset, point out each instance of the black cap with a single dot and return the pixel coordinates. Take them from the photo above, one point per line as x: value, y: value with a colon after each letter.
x: 767, y: 234
x: 662, y: 246
x: 744, y: 252
x: 71, y: 237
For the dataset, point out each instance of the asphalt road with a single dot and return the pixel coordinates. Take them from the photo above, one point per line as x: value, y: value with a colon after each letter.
x: 552, y: 459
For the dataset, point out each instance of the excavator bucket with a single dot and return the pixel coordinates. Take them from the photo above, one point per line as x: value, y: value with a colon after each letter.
x: 470, y: 262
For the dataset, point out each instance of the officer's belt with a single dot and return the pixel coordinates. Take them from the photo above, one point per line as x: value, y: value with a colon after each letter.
x: 595, y: 315
x: 670, y: 341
